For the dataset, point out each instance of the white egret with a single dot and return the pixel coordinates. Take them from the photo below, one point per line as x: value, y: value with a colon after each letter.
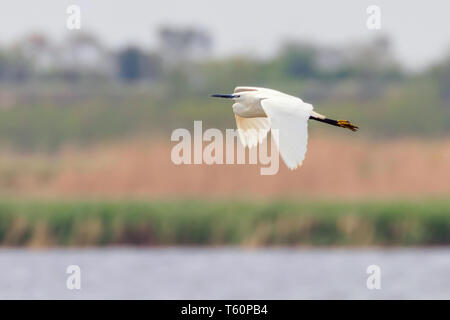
x: 258, y: 110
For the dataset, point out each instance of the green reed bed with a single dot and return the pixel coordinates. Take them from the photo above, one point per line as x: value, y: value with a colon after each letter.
x: 195, y: 222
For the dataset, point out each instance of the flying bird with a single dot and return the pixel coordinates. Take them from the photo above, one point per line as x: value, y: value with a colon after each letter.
x: 258, y: 110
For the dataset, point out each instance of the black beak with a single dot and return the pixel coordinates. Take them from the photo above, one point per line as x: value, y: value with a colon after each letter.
x: 225, y: 96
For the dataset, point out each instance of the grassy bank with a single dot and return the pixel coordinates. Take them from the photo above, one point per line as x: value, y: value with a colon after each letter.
x: 100, y: 223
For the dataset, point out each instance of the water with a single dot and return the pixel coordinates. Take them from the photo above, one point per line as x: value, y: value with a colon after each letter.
x: 226, y: 273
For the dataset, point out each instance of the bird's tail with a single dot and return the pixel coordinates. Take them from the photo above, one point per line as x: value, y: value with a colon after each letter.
x: 347, y: 124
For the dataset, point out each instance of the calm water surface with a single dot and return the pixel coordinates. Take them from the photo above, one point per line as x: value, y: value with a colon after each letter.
x: 227, y: 273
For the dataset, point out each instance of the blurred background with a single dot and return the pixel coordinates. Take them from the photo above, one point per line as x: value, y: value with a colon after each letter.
x: 86, y: 177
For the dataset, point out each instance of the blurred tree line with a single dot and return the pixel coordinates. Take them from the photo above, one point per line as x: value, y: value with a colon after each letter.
x: 82, y: 56
x: 81, y: 92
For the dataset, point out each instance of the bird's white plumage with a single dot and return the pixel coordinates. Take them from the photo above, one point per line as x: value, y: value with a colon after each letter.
x: 252, y: 130
x: 259, y: 90
x: 289, y: 123
x: 286, y: 115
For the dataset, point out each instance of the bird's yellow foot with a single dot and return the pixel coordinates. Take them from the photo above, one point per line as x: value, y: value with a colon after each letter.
x: 347, y: 124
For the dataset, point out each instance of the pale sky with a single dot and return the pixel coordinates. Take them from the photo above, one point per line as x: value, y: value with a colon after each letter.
x: 419, y: 30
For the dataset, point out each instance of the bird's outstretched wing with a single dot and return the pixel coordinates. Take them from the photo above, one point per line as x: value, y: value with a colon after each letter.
x: 252, y: 130
x: 289, y: 122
